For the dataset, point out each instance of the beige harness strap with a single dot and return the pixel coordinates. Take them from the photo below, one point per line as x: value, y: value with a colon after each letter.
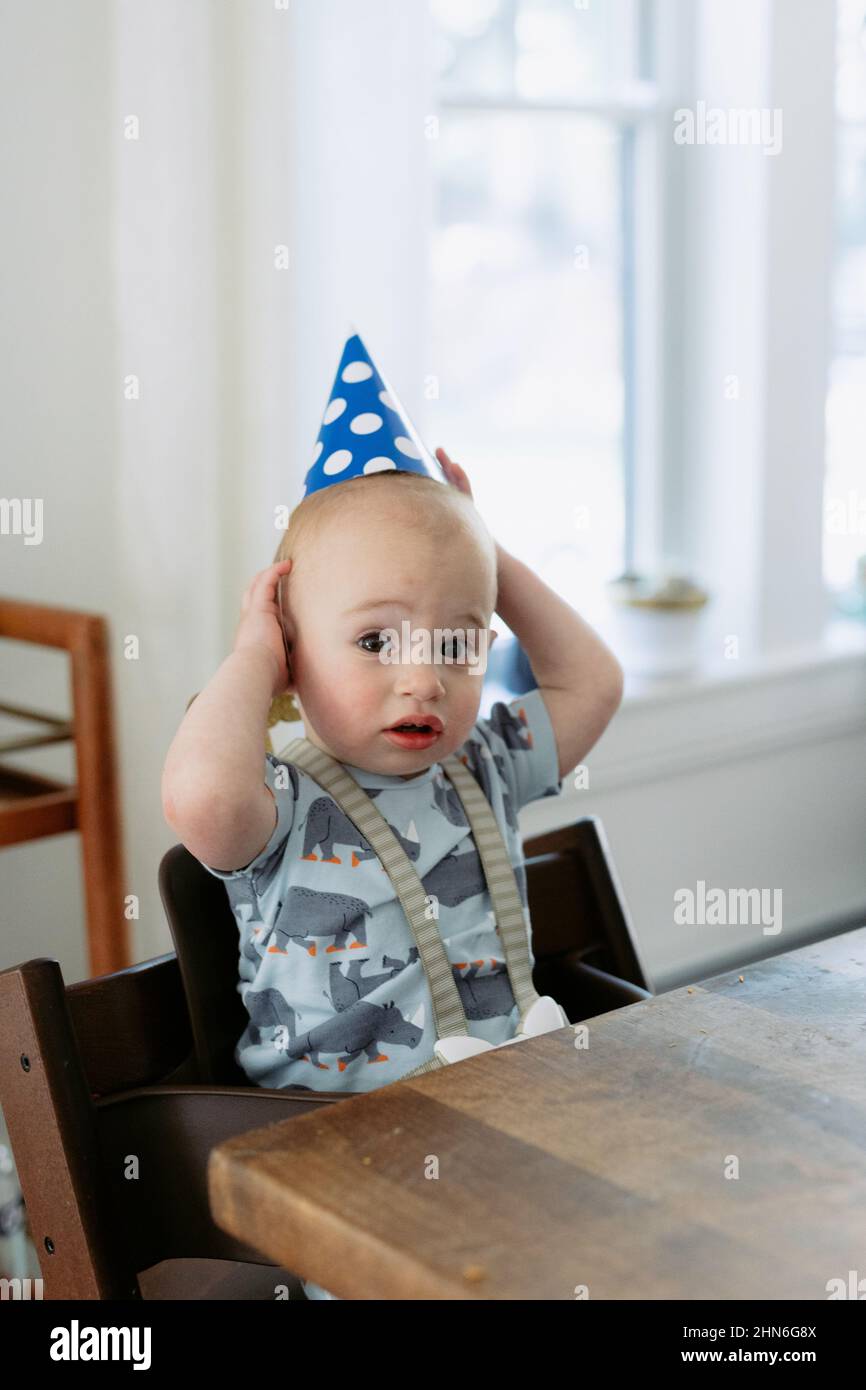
x: 501, y: 881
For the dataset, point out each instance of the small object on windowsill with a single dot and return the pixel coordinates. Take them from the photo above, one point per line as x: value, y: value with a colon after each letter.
x: 852, y: 601
x: 662, y: 591
x: 656, y: 622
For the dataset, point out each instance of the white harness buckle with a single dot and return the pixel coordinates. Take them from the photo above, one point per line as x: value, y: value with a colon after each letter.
x: 544, y: 1016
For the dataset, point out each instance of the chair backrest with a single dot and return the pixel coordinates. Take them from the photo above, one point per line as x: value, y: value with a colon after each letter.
x: 576, y: 902
x: 205, y: 936
x: 576, y: 908
x: 94, y: 1077
x: 32, y: 805
x: 61, y: 1048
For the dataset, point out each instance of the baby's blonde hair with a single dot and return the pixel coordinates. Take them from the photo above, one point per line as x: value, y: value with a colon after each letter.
x: 440, y: 507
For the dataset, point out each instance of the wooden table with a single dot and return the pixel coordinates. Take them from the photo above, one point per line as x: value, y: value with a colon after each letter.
x: 607, y: 1167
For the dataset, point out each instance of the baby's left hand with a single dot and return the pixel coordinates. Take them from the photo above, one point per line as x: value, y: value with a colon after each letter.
x: 457, y: 478
x: 454, y: 473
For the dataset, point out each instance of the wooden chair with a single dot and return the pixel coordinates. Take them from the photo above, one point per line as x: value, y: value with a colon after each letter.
x: 116, y: 1089
x: 32, y: 806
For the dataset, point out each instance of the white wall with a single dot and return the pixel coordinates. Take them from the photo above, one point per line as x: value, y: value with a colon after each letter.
x: 58, y: 377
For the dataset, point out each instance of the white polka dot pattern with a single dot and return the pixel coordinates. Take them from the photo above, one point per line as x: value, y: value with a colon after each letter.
x: 364, y: 428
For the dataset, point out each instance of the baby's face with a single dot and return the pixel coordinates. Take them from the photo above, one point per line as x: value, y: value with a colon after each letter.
x: 359, y: 576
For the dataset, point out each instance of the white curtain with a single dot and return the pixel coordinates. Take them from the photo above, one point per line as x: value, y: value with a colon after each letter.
x: 168, y: 372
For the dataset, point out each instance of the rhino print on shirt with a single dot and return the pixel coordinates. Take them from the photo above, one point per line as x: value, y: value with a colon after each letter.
x: 329, y: 970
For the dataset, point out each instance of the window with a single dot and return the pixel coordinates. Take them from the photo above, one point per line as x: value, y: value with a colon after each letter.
x: 545, y: 108
x: 845, y: 480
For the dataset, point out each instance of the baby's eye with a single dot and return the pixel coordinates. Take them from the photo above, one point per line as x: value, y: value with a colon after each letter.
x: 372, y: 637
x: 455, y: 648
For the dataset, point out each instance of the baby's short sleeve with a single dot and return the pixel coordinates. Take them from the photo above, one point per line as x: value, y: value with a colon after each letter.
x: 522, y: 742
x: 282, y: 781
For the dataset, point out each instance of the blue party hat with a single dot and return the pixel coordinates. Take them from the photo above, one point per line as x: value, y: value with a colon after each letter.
x: 365, y: 428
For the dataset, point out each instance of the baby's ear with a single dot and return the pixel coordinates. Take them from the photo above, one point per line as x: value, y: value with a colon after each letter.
x: 284, y: 609
x: 492, y: 636
x: 288, y: 691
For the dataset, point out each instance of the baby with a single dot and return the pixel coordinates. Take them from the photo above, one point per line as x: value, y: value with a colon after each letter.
x: 321, y: 928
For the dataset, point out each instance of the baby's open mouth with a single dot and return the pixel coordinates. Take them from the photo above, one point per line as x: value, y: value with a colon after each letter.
x: 425, y: 725
x: 415, y: 734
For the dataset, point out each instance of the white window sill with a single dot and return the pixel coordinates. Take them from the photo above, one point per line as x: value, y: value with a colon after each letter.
x: 720, y: 713
x: 844, y: 641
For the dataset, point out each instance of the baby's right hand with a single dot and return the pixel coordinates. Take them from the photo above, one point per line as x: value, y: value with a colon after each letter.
x: 260, y: 623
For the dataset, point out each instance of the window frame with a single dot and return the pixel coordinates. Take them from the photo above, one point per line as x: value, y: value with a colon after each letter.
x: 845, y: 126
x: 710, y: 482
x: 639, y: 109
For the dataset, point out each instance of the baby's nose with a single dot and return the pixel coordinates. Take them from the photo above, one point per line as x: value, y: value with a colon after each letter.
x: 420, y: 679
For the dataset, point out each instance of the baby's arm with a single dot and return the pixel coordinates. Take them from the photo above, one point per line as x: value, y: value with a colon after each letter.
x: 580, y: 679
x: 213, y: 793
